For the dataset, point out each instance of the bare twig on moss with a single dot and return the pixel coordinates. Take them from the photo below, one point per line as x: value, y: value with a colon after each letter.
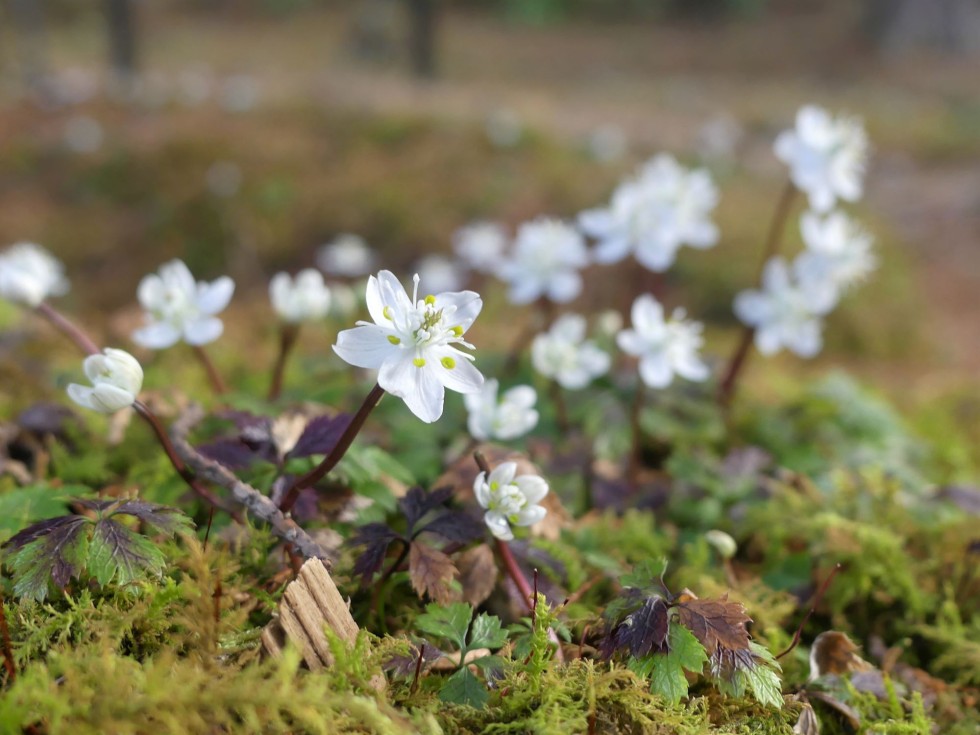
x: 242, y: 493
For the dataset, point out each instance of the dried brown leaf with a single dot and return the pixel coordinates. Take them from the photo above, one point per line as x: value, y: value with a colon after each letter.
x: 716, y: 623
x: 834, y: 653
x: 431, y: 572
x: 477, y: 574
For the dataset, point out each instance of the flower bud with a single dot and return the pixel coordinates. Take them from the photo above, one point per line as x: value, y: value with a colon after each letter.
x: 724, y: 544
x: 116, y: 378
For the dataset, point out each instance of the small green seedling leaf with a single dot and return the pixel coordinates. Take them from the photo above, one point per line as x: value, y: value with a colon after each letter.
x: 450, y: 622
x: 487, y: 633
x: 464, y: 688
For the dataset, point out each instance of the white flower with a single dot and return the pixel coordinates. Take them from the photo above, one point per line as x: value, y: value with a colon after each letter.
x: 784, y: 313
x: 510, y: 501
x: 511, y: 417
x: 481, y: 246
x: 412, y: 344
x: 653, y: 214
x: 178, y: 308
x: 827, y: 156
x: 347, y: 255
x: 29, y: 274
x: 664, y: 346
x: 305, y: 298
x: 440, y: 273
x: 545, y: 262
x: 838, y: 254
x: 116, y: 378
x: 564, y: 355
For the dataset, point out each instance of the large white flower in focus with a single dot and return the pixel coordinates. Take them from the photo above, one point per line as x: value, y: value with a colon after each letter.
x: 785, y: 313
x: 664, y: 346
x: 566, y: 356
x: 827, y: 156
x: 545, y: 262
x: 510, y: 417
x: 413, y: 344
x: 653, y: 214
x: 180, y: 308
x: 838, y: 253
x: 481, y: 246
x: 116, y: 378
x: 301, y: 299
x: 29, y: 274
x: 509, y: 500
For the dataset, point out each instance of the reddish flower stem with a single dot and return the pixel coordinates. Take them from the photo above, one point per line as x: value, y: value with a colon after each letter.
x: 214, y: 377
x: 347, y: 438
x: 68, y: 328
x: 736, y: 364
x: 288, y: 335
x: 8, y: 651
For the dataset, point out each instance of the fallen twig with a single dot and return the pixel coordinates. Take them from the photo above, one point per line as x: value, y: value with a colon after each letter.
x: 241, y: 492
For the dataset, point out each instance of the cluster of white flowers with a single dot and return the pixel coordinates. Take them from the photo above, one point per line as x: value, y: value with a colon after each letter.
x: 565, y: 355
x: 29, y: 274
x: 510, y: 417
x: 302, y: 299
x: 827, y: 160
x: 653, y: 214
x: 179, y: 308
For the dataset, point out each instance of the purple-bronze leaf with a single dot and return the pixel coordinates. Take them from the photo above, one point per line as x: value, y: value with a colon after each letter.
x: 417, y: 502
x: 455, y: 526
x: 320, y: 436
x: 375, y: 537
x: 60, y: 524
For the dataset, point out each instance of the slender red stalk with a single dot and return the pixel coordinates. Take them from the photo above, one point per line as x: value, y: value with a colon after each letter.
x: 214, y: 377
x: 729, y: 383
x: 68, y: 328
x: 347, y: 438
x: 8, y: 651
x: 561, y: 407
x: 418, y: 669
x: 288, y: 335
x: 816, y: 601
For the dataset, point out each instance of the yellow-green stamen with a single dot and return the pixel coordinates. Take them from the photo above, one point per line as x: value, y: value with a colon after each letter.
x: 386, y: 313
x: 419, y: 362
x: 457, y: 330
x: 394, y: 340
x: 430, y: 299
x: 448, y: 363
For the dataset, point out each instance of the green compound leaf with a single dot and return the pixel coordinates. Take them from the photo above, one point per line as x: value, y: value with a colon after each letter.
x: 52, y: 550
x: 666, y: 671
x: 464, y: 688
x: 116, y: 553
x: 487, y: 633
x: 446, y: 621
x: 763, y: 678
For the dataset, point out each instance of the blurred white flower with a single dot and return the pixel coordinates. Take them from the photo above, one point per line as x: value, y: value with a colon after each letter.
x: 564, y: 355
x: 29, y: 274
x: 412, y: 344
x: 719, y: 137
x: 239, y: 93
x: 665, y: 347
x: 83, y: 134
x: 194, y: 86
x: 838, y: 254
x: 653, y: 214
x: 179, y: 308
x: 344, y: 298
x: 510, y: 417
x: 724, y: 544
x: 827, y: 156
x: 609, y: 322
x: 116, y: 378
x: 346, y: 255
x: 303, y: 299
x: 504, y: 128
x: 224, y: 178
x: 481, y: 245
x: 785, y: 313
x: 545, y: 262
x: 440, y: 273
x: 509, y: 500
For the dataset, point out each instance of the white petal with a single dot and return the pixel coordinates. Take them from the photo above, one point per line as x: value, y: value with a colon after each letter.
x: 95, y: 366
x: 532, y: 487
x: 630, y: 342
x: 392, y: 292
x: 109, y: 399
x: 647, y: 316
x: 520, y: 396
x: 503, y: 474
x: 366, y: 346
x: 417, y: 386
x: 564, y: 286
x: 203, y: 330
x: 498, y: 525
x: 612, y: 249
x: 655, y: 370
x: 150, y: 291
x: 156, y: 336
x: 531, y: 515
x: 375, y: 305
x: 82, y: 395
x: 768, y: 340
x: 468, y: 305
x: 596, y: 222
x: 806, y: 341
x: 656, y: 254
x: 462, y: 377
x: 691, y: 367
x: 481, y: 490
x: 753, y: 308
x: 214, y: 297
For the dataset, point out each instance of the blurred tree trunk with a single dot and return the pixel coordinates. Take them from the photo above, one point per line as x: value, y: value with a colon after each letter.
x: 121, y: 25
x: 28, y: 19
x: 423, y: 19
x: 949, y: 25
